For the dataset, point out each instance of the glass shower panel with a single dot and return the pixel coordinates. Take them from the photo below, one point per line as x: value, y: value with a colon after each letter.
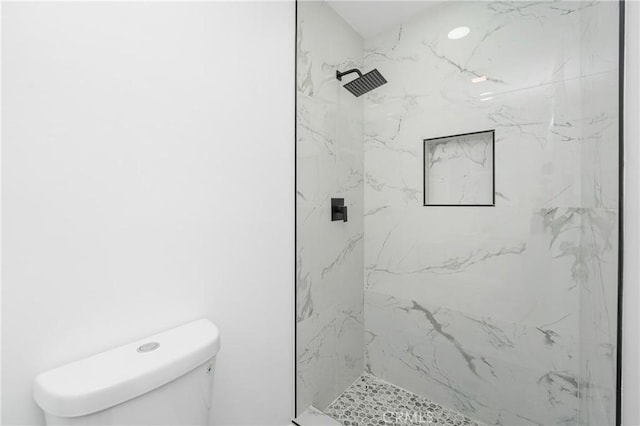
x: 329, y: 254
x: 505, y: 311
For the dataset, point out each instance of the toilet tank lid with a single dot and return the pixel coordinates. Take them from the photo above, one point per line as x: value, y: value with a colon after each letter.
x: 118, y: 375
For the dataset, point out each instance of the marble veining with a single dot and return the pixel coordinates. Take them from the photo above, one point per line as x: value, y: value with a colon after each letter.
x: 506, y: 313
x: 459, y: 170
x: 471, y: 363
x: 329, y: 258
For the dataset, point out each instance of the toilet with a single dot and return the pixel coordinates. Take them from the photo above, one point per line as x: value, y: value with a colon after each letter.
x: 165, y: 379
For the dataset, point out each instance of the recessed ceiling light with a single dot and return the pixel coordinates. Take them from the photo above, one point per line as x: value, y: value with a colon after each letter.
x: 479, y: 79
x: 459, y: 32
x: 487, y: 98
x: 486, y: 93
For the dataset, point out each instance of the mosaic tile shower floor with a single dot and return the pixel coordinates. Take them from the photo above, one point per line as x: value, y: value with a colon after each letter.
x: 370, y: 401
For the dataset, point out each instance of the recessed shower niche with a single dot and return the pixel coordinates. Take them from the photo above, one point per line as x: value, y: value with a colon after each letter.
x: 459, y: 170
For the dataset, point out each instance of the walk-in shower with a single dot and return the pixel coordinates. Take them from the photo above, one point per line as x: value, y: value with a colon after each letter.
x: 476, y: 279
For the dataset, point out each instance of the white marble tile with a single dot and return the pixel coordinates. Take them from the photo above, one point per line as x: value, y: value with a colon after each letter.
x: 506, y: 314
x: 459, y: 170
x: 528, y: 286
x: 495, y: 372
x: 598, y: 314
x: 316, y: 362
x: 514, y: 44
x: 329, y: 354
x: 537, y: 323
x: 329, y: 305
x: 540, y: 135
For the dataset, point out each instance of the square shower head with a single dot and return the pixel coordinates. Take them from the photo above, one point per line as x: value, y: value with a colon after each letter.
x: 365, y: 83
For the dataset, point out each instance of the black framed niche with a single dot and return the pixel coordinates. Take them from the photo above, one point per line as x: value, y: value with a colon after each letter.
x: 459, y: 170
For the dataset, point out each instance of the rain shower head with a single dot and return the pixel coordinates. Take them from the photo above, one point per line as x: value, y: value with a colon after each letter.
x: 364, y: 83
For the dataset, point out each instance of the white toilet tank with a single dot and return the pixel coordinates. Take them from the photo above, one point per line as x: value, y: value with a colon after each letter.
x: 165, y: 379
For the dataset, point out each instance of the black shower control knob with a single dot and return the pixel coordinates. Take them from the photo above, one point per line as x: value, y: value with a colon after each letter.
x: 338, y: 210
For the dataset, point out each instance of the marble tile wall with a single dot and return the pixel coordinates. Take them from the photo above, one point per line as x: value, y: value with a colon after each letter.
x: 329, y: 305
x: 459, y: 170
x: 506, y: 313
x: 598, y: 249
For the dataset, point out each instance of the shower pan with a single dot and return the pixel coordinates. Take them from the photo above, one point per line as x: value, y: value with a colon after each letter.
x: 476, y: 280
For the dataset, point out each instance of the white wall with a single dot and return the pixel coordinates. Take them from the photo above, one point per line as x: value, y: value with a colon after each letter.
x: 147, y: 180
x: 631, y: 319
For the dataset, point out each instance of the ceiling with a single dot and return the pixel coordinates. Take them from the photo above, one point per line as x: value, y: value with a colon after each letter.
x: 371, y: 17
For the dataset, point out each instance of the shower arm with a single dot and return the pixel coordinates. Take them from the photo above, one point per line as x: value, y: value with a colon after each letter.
x: 339, y: 74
